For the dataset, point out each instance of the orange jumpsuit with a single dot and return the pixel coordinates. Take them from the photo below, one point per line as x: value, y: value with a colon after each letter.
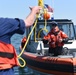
x: 54, y: 40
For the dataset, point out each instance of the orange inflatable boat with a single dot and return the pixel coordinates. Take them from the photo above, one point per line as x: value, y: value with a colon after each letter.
x: 51, y: 65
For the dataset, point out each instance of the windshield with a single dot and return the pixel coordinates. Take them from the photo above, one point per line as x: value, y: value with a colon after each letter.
x: 68, y: 28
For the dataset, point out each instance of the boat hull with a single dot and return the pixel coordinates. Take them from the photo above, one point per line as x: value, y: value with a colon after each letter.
x: 50, y: 65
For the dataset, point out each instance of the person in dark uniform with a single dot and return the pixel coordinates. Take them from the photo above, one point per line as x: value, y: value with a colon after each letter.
x: 9, y: 27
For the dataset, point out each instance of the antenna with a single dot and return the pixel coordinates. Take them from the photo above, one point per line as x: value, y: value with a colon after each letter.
x: 52, y: 1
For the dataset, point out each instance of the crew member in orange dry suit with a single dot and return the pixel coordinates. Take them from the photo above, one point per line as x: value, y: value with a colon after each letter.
x: 23, y: 41
x: 56, y: 39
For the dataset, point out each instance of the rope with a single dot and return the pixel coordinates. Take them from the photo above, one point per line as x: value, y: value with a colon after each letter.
x: 40, y: 3
x: 45, y: 29
x: 19, y: 56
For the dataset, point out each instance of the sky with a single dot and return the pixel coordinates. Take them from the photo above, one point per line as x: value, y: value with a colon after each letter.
x: 63, y: 9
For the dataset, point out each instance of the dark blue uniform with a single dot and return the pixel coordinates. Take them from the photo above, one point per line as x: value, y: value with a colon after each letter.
x: 8, y: 27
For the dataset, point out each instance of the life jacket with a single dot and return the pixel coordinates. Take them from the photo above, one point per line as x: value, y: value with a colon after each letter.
x: 24, y: 39
x: 54, y: 38
x: 23, y: 42
x: 8, y: 56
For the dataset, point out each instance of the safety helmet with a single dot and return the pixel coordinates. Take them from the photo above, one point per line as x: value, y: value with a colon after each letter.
x: 54, y: 23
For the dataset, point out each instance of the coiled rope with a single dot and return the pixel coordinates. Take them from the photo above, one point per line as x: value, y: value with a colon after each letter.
x: 45, y: 25
x: 19, y: 56
x: 40, y: 3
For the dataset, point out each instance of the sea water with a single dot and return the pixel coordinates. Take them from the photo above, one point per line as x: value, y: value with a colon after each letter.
x: 16, y: 41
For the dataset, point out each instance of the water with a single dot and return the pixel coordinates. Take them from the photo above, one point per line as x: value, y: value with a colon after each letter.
x: 16, y: 41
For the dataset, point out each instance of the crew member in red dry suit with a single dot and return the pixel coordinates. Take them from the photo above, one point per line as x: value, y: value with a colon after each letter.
x: 56, y: 39
x: 8, y: 27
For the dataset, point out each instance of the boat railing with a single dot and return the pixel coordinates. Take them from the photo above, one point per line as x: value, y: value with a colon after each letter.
x: 42, y: 49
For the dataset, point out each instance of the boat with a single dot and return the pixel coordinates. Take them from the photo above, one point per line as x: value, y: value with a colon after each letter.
x: 36, y: 53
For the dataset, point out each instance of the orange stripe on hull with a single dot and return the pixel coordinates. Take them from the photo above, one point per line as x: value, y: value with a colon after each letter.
x: 48, y: 59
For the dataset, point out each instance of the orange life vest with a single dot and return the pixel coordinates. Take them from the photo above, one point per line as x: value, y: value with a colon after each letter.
x: 8, y: 56
x: 23, y: 42
x: 54, y: 38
